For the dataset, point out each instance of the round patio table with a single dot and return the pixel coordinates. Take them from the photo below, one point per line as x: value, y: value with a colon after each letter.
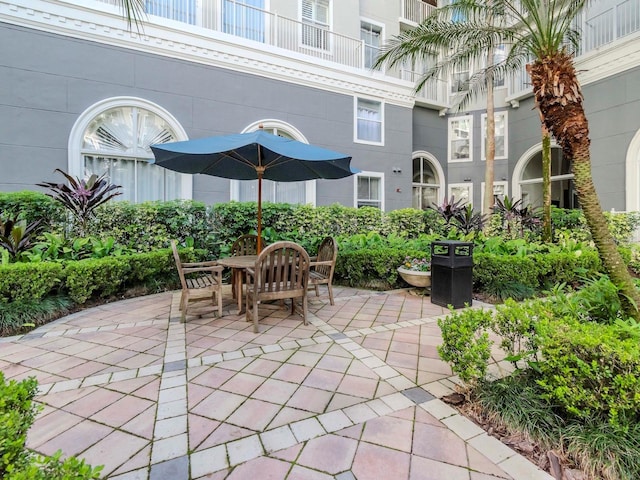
x: 238, y: 264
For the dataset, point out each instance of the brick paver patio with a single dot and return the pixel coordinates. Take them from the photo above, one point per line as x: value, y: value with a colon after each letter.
x: 352, y: 395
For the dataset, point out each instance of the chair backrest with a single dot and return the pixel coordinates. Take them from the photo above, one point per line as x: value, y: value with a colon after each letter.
x: 176, y: 257
x: 246, y: 245
x: 281, y: 267
x: 327, y: 252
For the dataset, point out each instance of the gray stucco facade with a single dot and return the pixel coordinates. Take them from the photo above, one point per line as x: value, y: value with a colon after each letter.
x: 49, y: 80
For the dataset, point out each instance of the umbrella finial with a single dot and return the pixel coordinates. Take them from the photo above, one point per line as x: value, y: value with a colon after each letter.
x: 260, y: 126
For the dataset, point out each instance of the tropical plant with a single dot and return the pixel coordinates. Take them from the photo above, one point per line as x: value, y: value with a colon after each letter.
x: 449, y: 209
x: 16, y: 236
x: 81, y: 197
x: 467, y: 220
x: 538, y: 29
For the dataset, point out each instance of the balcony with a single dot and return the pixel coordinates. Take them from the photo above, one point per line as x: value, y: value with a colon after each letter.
x: 252, y: 23
x: 413, y: 12
x: 610, y: 22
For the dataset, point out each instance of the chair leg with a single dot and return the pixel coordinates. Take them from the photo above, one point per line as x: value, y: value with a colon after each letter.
x: 293, y: 306
x: 315, y: 285
x: 330, y: 293
x: 304, y: 309
x: 184, y: 303
x: 255, y: 316
x: 218, y: 294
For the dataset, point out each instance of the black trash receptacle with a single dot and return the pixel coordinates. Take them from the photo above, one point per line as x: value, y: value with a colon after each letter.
x: 451, y: 273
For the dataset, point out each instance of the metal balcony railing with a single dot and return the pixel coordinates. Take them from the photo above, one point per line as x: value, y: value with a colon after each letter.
x: 620, y: 20
x: 415, y: 11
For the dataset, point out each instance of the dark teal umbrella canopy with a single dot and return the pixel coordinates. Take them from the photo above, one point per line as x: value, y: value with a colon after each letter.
x: 253, y: 156
x: 241, y: 156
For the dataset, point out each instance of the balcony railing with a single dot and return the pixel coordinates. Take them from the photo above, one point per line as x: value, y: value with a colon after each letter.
x: 415, y: 11
x: 252, y: 23
x: 620, y: 20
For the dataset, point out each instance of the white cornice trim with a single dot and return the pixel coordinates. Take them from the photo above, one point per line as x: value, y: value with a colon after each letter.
x: 104, y: 24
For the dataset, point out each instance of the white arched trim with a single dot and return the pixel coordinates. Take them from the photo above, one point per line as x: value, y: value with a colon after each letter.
x: 523, y: 161
x: 438, y: 168
x: 75, y: 159
x: 632, y: 187
x: 268, y: 123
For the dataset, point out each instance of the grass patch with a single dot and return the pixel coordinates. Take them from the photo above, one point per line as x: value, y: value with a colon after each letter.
x: 21, y: 316
x: 599, y: 449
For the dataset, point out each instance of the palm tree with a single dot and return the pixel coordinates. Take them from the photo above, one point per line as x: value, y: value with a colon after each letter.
x: 439, y: 40
x: 538, y: 29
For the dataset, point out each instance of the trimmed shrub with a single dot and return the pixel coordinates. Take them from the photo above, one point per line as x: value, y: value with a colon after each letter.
x: 28, y: 281
x: 493, y: 273
x: 104, y: 276
x: 31, y: 206
x: 17, y: 413
x: 373, y: 268
x: 589, y: 369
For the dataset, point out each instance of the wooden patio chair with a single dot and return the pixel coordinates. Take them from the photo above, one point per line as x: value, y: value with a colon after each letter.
x: 244, y: 245
x: 280, y: 272
x: 200, y: 281
x: 323, y: 265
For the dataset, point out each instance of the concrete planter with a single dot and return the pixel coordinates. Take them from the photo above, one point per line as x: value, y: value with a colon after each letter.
x: 415, y: 278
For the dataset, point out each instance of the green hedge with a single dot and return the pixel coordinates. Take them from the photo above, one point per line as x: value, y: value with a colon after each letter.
x: 536, y: 271
x: 17, y: 413
x: 28, y: 281
x: 91, y: 278
x: 373, y: 268
x: 31, y: 206
x: 590, y: 369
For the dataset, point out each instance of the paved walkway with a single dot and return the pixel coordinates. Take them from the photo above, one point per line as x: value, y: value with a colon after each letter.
x: 352, y: 395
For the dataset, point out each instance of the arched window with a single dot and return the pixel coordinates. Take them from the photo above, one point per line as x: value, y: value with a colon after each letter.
x: 114, y: 136
x: 427, y: 181
x: 527, y: 179
x: 276, y: 192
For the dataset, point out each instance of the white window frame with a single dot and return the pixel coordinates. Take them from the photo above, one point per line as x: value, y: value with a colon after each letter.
x: 379, y: 25
x: 368, y: 174
x: 75, y: 159
x: 313, y: 22
x: 450, y: 139
x: 495, y: 184
x: 438, y: 171
x: 455, y: 73
x: 355, y: 121
x: 467, y: 185
x: 269, y: 123
x: 483, y: 135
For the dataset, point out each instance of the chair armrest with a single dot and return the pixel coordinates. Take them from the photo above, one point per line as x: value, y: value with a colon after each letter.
x: 211, y: 268
x: 200, y: 264
x: 326, y: 262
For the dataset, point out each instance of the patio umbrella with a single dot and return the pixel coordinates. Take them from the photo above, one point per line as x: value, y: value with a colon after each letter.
x: 251, y: 156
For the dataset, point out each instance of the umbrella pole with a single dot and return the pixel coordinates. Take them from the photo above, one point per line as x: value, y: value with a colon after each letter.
x: 260, y: 171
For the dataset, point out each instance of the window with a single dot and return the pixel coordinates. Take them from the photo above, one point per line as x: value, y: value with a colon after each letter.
x: 459, y: 79
x: 499, y: 56
x: 499, y: 192
x: 369, y: 190
x: 500, y: 135
x: 461, y: 191
x: 460, y: 139
x: 116, y: 141
x: 276, y: 192
x: 244, y: 18
x: 369, y: 115
x: 426, y: 187
x: 528, y: 173
x: 315, y: 19
x: 180, y: 10
x: 370, y: 34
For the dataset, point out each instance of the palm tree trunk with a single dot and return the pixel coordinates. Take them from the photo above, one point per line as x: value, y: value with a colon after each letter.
x: 558, y: 94
x: 546, y: 185
x: 490, y: 145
